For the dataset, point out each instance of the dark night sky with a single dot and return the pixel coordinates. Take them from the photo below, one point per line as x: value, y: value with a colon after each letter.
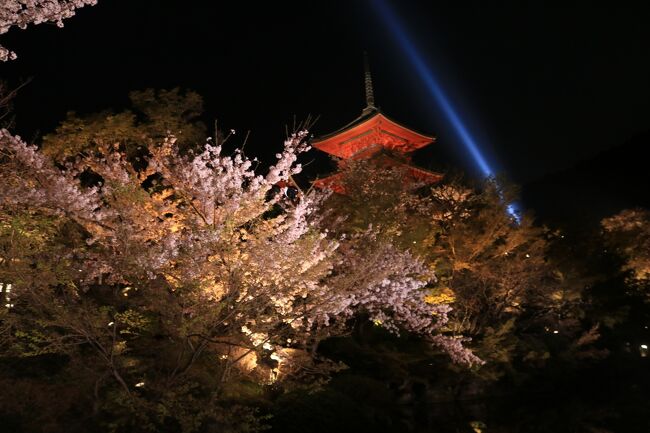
x: 539, y: 86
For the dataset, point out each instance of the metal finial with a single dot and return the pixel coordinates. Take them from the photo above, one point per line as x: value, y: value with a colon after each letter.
x: 370, y: 94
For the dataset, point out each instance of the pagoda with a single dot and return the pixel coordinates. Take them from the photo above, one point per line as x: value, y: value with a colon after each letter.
x: 373, y: 135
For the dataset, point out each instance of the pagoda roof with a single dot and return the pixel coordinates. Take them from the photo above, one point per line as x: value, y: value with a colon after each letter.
x: 415, y: 174
x: 371, y: 128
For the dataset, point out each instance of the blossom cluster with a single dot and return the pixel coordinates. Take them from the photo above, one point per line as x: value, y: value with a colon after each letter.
x: 21, y: 13
x: 42, y: 185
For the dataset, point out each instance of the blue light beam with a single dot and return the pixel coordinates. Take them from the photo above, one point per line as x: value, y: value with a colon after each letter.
x: 426, y: 75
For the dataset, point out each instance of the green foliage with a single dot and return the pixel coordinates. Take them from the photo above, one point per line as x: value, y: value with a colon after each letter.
x: 628, y: 234
x: 498, y: 345
x: 507, y: 290
x: 103, y: 332
x: 187, y: 408
x: 133, y: 323
x: 153, y: 116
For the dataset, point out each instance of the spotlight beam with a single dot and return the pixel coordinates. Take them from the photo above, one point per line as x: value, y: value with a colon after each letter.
x: 434, y: 89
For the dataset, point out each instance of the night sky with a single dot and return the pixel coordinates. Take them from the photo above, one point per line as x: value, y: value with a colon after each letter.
x: 540, y: 87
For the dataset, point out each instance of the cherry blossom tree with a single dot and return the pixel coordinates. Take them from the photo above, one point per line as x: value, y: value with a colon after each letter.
x: 21, y: 13
x: 189, y: 256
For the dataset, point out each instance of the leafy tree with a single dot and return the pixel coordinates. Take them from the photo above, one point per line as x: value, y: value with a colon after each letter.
x: 628, y: 232
x: 520, y: 300
x: 508, y: 292
x: 154, y: 116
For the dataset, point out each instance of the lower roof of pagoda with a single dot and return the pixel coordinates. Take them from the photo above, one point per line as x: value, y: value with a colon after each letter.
x: 370, y: 130
x: 417, y: 175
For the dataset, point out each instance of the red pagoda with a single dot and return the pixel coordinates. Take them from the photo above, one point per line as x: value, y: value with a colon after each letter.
x: 375, y: 136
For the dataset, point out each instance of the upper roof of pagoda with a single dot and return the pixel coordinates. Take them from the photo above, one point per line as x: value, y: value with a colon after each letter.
x: 370, y: 129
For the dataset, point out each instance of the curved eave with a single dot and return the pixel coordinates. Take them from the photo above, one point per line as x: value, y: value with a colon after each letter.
x: 330, y: 182
x: 390, y: 133
x: 425, y: 175
x: 421, y: 175
x: 430, y: 138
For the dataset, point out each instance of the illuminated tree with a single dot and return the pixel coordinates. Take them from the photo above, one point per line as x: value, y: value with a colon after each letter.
x: 510, y: 292
x: 153, y: 115
x: 629, y: 233
x: 499, y: 276
x: 175, y: 275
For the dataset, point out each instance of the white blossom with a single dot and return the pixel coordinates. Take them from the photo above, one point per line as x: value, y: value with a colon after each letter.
x: 21, y: 13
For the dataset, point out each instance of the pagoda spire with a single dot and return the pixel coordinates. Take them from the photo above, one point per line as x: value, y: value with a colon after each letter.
x: 374, y: 136
x: 370, y: 93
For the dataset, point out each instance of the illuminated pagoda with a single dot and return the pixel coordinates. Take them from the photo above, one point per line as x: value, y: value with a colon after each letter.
x: 374, y: 136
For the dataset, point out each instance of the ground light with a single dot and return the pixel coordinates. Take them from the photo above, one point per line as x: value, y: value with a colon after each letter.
x: 432, y: 85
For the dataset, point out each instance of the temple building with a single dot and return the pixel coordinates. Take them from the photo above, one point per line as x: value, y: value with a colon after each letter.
x: 375, y: 136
